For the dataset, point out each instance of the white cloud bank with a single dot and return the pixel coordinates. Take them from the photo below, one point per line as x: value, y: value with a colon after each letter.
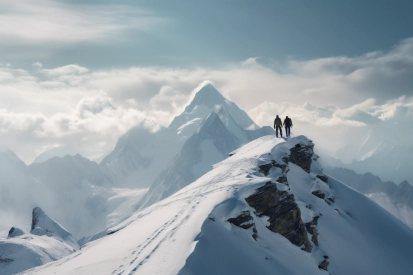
x: 331, y: 99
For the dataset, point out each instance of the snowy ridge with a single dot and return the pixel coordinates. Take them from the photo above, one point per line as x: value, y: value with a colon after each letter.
x: 189, y: 232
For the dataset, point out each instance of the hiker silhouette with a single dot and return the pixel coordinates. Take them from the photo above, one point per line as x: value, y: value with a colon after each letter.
x: 288, y: 123
x: 277, y: 126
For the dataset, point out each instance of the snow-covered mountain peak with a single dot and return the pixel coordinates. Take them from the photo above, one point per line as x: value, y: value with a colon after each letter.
x: 206, y: 95
x: 42, y: 224
x: 208, y: 99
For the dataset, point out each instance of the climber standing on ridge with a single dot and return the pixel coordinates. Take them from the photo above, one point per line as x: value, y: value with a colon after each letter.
x: 287, y: 124
x: 277, y: 125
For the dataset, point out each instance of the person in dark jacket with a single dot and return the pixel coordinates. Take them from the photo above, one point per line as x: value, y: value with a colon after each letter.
x: 277, y: 126
x: 287, y: 124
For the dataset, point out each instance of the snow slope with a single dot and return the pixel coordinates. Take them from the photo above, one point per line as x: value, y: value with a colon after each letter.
x: 189, y: 232
x: 47, y: 241
x: 395, y: 198
x: 400, y: 211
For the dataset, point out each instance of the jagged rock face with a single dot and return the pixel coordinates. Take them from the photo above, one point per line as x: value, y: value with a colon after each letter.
x: 301, y: 155
x: 284, y: 214
x: 14, y: 232
x: 312, y: 229
x: 245, y: 221
x: 242, y: 220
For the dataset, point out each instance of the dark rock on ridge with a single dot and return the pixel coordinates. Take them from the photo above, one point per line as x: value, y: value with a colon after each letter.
x: 301, y: 155
x: 15, y: 232
x: 319, y: 194
x: 284, y: 214
x: 244, y: 220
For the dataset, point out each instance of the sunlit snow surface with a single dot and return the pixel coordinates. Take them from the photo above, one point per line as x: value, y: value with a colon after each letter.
x: 176, y: 236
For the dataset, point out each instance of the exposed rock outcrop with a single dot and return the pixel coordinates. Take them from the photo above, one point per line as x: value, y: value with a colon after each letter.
x: 284, y: 214
x: 319, y: 194
x: 324, y: 264
x: 245, y: 221
x: 301, y: 155
x: 14, y: 232
x: 312, y: 229
x: 42, y: 224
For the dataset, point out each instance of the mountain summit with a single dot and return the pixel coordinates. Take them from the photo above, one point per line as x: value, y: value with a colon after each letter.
x: 206, y: 95
x: 207, y: 99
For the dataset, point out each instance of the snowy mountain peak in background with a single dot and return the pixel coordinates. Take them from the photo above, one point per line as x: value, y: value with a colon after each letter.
x: 207, y: 99
x: 207, y: 95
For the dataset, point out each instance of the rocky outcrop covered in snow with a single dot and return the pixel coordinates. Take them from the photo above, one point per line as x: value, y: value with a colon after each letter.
x: 42, y: 224
x: 283, y: 214
x: 15, y: 232
x: 275, y: 202
x: 46, y: 242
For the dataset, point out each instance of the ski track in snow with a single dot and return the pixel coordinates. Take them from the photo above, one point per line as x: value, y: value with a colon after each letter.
x: 141, y: 254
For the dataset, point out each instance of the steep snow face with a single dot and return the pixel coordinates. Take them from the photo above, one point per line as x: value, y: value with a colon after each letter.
x: 42, y: 224
x: 139, y: 156
x: 47, y: 241
x: 210, y: 144
x: 399, y: 210
x: 190, y: 232
x: 217, y: 136
x: 395, y: 198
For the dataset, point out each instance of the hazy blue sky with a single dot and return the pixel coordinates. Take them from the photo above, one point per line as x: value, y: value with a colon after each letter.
x: 78, y: 74
x: 210, y: 33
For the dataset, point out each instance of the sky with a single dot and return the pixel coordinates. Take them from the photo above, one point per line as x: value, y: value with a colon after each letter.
x: 76, y: 75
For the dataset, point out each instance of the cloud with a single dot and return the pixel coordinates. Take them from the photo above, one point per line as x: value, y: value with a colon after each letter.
x: 332, y: 99
x: 44, y: 26
x: 65, y: 70
x: 37, y: 65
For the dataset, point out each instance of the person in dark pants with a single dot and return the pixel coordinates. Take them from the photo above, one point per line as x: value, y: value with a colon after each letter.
x: 277, y: 126
x: 287, y: 124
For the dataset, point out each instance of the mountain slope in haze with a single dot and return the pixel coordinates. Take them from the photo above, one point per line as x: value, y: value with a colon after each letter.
x: 267, y: 208
x: 147, y: 149
x: 382, y: 154
x: 216, y: 137
x: 72, y: 189
x: 395, y: 198
x: 47, y: 241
